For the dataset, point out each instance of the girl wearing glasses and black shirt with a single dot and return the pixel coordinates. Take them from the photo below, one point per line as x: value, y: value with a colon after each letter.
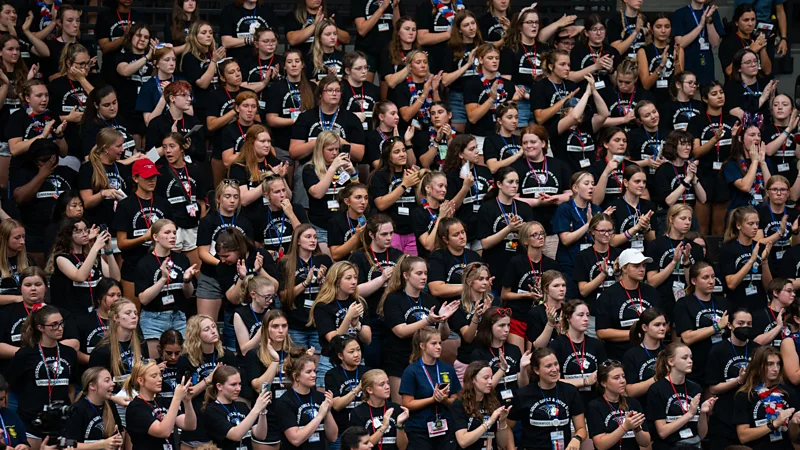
x: 594, y: 266
x: 681, y: 106
x: 261, y: 65
x: 43, y: 370
x: 713, y: 136
x: 359, y: 96
x: 744, y: 262
x: 593, y: 55
x: 779, y: 134
x: 509, y: 365
x: 771, y: 216
x: 768, y: 323
x: 749, y: 92
x: 616, y: 419
x: 676, y: 180
x: 640, y: 360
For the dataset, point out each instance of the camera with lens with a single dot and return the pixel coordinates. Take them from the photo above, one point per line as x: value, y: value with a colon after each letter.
x: 52, y: 419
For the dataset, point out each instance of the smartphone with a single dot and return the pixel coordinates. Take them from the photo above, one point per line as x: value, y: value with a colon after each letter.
x: 345, y: 148
x: 266, y: 386
x: 194, y: 130
x: 103, y: 227
x: 442, y: 386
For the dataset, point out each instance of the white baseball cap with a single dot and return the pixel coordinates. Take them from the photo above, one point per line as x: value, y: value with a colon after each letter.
x: 632, y: 256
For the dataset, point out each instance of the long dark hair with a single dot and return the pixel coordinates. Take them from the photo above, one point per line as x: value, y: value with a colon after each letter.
x: 472, y: 406
x: 637, y: 333
x: 176, y: 26
x: 97, y: 95
x: 60, y: 210
x: 31, y: 336
x: 603, y: 372
x: 499, y: 177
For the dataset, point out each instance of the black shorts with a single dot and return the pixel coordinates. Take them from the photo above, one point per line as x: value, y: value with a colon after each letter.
x: 716, y: 188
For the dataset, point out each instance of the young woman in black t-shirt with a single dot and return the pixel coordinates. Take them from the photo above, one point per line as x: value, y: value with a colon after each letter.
x: 392, y: 65
x: 274, y: 229
x: 485, y: 92
x: 261, y: 65
x: 579, y: 356
x: 673, y: 401
x: 43, y: 370
x: 90, y: 328
x: 593, y: 55
x: 392, y: 187
x: 456, y: 61
x: 640, y: 360
x: 12, y: 245
x: 594, y: 266
x: 150, y: 420
x: 93, y: 418
x: 120, y: 349
x: 77, y: 267
x: 134, y: 67
x: 252, y: 163
x: 623, y: 97
x: 344, y: 379
x: 764, y: 408
x: 221, y: 110
x: 34, y: 120
x: 628, y: 28
x: 744, y: 262
x: 614, y: 419
x: 103, y: 109
x: 748, y: 93
x: 347, y: 227
x: 608, y: 169
x: 415, y: 98
x: 232, y: 425
x: 743, y: 35
x: 325, y: 57
x: 497, y: 151
x: 466, y: 191
x: 69, y: 91
x: 647, y: 142
x: 479, y: 419
x: 660, y: 59
x: 198, y: 63
x: 632, y: 213
x: 476, y: 298
x: 104, y: 181
x: 258, y: 294
x: 359, y: 95
x: 768, y: 323
x: 170, y: 347
x: 681, y: 106
x: 432, y: 209
x: 383, y: 419
x: 432, y: 146
x: 509, y: 365
x: 550, y: 93
x: 676, y: 180
x: 233, y: 136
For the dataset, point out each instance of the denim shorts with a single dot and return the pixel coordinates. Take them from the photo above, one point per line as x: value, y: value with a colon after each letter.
x: 456, y: 100
x: 155, y: 323
x: 322, y: 234
x: 322, y: 368
x: 307, y: 339
x: 208, y: 287
x: 228, y: 332
x: 525, y: 114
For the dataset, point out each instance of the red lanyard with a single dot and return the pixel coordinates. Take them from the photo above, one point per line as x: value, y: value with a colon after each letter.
x: 372, y: 422
x: 34, y: 308
x: 715, y: 130
x: 641, y: 307
x: 360, y: 102
x: 89, y: 280
x: 579, y: 135
x: 605, y: 258
x: 228, y: 94
x: 582, y: 359
x: 630, y: 102
x: 183, y: 124
x: 128, y: 23
x: 188, y: 181
x: 614, y: 175
x: 100, y: 322
x: 141, y: 210
x: 616, y: 419
x: 745, y: 44
x: 533, y: 270
x: 544, y: 172
x: 51, y: 386
x: 377, y: 263
x: 77, y: 97
x: 532, y: 61
x: 596, y: 56
x: 685, y: 392
x: 261, y: 68
x: 159, y: 414
x: 775, y: 320
x: 240, y: 131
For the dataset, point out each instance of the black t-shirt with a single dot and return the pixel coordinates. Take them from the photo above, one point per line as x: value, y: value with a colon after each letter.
x: 703, y: 127
x: 194, y: 69
x: 255, y: 70
x: 74, y: 296
x: 498, y: 147
x: 181, y: 188
x: 101, y: 357
x: 134, y: 216
x: 148, y: 272
x: 662, y: 250
x: 382, y: 183
x: 545, y: 411
x: 551, y: 177
x: 770, y: 223
x: 729, y: 45
x: 371, y: 418
x: 256, y: 209
x: 342, y: 227
x: 283, y: 98
x: 521, y: 275
x: 211, y: 226
x: 493, y: 217
x: 239, y: 22
x: 113, y: 25
x: 746, y: 96
x: 724, y: 363
x: 668, y: 401
x: 322, y: 210
x: 360, y: 100
x: 128, y: 87
x: 666, y: 179
x: 588, y: 265
x: 692, y: 314
x: 341, y: 382
x: 677, y: 114
x: 228, y: 275
x: 660, y: 89
x: 643, y: 144
x: 220, y: 419
x: 444, y: 266
x: 620, y: 103
x: 41, y: 383
x: 85, y: 424
x: 90, y: 128
x: 22, y: 125
x: 370, y: 266
x: 490, y: 28
x: 626, y: 215
x: 525, y: 65
x: 784, y: 159
x: 329, y: 316
x: 90, y: 329
x: 295, y: 410
x: 377, y: 39
x: 274, y: 230
x: 577, y: 360
x: 468, y: 212
x: 639, y: 364
x: 733, y: 256
x: 422, y: 221
x: 140, y: 415
x: 36, y: 212
x: 614, y: 183
x: 400, y: 308
x: 10, y: 285
x: 161, y: 126
x: 119, y: 177
x: 459, y: 320
x: 582, y: 57
x: 477, y: 92
x: 537, y: 320
x: 604, y: 417
x: 764, y: 320
x: 298, y: 317
x: 432, y: 19
x: 334, y: 59
x: 207, y: 365
x: 387, y: 67
x: 14, y: 315
x: 511, y: 354
x: 230, y: 137
x: 545, y: 93
x: 749, y: 409
x: 576, y: 146
x: 463, y: 421
x: 620, y: 27
x: 619, y: 308
x: 253, y: 368
x: 66, y: 95
x: 308, y: 126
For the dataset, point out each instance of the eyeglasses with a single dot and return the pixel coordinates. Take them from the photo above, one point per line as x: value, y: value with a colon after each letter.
x: 779, y: 190
x: 55, y: 325
x: 604, y: 231
x: 268, y: 297
x: 538, y: 235
x: 332, y: 91
x: 749, y: 63
x: 531, y: 22
x: 597, y: 29
x: 502, y: 312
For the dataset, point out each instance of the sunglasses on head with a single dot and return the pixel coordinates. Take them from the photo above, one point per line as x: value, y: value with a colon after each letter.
x: 502, y: 312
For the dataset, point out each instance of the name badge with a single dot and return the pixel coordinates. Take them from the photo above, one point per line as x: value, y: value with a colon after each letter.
x: 437, y: 428
x: 599, y: 84
x: 717, y: 165
x: 506, y: 394
x: 585, y: 246
x: 333, y: 205
x: 783, y: 167
x: 383, y: 27
x: 750, y: 290
x: 167, y: 300
x: 704, y: 46
x: 662, y: 84
x: 402, y: 211
x: 585, y: 163
x: 685, y: 433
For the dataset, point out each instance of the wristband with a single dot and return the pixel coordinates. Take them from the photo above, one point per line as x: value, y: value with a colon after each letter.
x: 108, y: 253
x: 715, y: 325
x: 409, y: 147
x: 627, y: 235
x: 400, y: 427
x: 580, y: 439
x: 685, y: 184
x: 770, y: 425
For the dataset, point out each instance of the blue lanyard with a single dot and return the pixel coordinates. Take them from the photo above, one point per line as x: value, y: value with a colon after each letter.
x: 513, y: 143
x: 746, y: 349
x: 476, y: 185
x: 773, y: 215
x: 581, y: 217
x: 226, y: 408
x: 650, y: 138
x: 503, y: 210
x: 116, y: 175
x: 713, y: 307
x: 5, y: 432
x: 213, y: 363
x: 547, y: 402
x: 350, y: 223
x: 635, y: 216
x: 310, y: 262
x: 222, y: 219
x: 296, y: 99
x: 428, y: 375
x: 750, y: 91
x: 347, y: 377
x: 94, y: 408
x: 697, y: 21
x: 310, y: 400
x: 340, y: 306
x: 330, y: 124
x: 752, y: 249
x: 658, y: 53
x: 258, y: 321
x: 649, y: 356
x: 281, y: 355
x: 279, y: 236
x: 558, y: 91
x: 113, y: 123
x: 411, y: 302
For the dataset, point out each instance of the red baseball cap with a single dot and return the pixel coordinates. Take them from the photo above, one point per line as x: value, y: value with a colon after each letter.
x: 144, y: 168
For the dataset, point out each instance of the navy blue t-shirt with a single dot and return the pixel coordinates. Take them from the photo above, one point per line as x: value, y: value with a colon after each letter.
x: 415, y: 382
x: 699, y: 62
x: 570, y: 217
